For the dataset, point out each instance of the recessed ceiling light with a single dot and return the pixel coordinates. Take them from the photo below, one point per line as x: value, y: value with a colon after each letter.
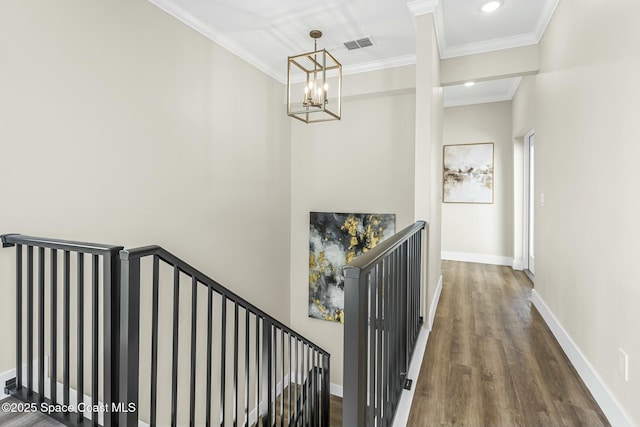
x: 491, y: 6
x: 469, y: 84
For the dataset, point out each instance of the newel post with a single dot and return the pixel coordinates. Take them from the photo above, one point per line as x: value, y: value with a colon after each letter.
x: 129, y: 340
x: 355, y: 348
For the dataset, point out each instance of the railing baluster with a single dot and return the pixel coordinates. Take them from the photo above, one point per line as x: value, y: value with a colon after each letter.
x: 298, y: 394
x: 326, y: 384
x: 314, y: 387
x: 80, y: 331
x: 390, y: 338
x: 94, y: 339
x: 194, y: 320
x: 223, y: 359
x: 411, y: 293
x: 111, y: 333
x: 154, y: 342
x: 235, y: 364
x: 307, y: 400
x: 290, y: 382
x: 258, y: 360
x: 318, y: 387
x: 18, y: 317
x: 282, y: 378
x: 404, y: 320
x: 386, y: 375
x: 390, y: 326
x: 29, y: 320
x: 266, y: 370
x: 174, y: 360
x: 53, y: 375
x: 384, y: 289
x: 246, y: 366
x: 41, y: 324
x: 209, y: 353
x: 66, y: 354
x: 380, y: 291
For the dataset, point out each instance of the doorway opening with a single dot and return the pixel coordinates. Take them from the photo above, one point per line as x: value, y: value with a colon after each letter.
x: 529, y: 205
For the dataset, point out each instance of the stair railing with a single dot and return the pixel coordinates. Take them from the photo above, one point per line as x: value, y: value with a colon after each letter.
x: 382, y: 324
x: 237, y: 366
x: 257, y: 370
x: 44, y: 273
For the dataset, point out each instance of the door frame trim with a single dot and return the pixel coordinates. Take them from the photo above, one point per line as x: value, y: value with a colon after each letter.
x: 527, y: 198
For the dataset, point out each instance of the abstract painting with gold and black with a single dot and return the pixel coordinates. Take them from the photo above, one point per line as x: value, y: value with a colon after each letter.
x: 335, y: 239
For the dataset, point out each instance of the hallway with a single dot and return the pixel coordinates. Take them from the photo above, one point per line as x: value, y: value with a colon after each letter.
x: 492, y: 361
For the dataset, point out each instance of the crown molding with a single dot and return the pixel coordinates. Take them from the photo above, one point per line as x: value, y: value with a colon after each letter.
x: 186, y: 17
x: 489, y: 45
x: 398, y: 61
x: 545, y: 18
x: 438, y: 26
x: 422, y: 7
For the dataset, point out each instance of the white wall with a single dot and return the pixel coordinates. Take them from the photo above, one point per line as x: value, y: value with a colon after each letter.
x: 481, y: 232
x: 364, y: 163
x: 587, y: 150
x: 119, y: 124
x: 434, y: 165
x: 502, y: 63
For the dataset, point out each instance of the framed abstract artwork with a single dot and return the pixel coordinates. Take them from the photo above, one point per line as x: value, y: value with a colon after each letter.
x: 468, y: 173
x: 335, y: 239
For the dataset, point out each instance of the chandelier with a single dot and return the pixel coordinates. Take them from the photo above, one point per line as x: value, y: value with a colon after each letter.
x: 314, y: 85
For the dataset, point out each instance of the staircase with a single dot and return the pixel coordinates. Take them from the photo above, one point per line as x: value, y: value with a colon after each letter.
x: 138, y: 337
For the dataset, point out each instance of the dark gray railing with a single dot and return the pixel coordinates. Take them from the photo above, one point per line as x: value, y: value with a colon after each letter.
x: 382, y: 324
x: 257, y: 370
x: 43, y: 270
x: 243, y: 367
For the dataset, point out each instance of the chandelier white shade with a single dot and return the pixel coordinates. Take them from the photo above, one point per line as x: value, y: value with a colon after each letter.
x: 314, y: 85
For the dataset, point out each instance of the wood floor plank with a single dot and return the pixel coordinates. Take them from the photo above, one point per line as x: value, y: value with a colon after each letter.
x: 492, y: 361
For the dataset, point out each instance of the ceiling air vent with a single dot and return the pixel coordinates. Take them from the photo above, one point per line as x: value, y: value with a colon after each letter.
x: 358, y: 44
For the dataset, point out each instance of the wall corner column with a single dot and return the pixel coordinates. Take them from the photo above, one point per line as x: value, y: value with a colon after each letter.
x: 428, y: 142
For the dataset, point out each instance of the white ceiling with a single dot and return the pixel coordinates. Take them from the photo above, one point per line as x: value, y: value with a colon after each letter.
x: 265, y: 33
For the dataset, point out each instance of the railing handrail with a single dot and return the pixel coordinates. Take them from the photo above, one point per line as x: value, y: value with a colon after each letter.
x: 184, y: 267
x: 69, y: 245
x: 372, y: 256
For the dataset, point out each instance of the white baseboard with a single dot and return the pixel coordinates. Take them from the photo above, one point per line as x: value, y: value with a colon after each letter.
x: 335, y: 389
x: 434, y: 303
x: 607, y: 402
x: 518, y: 264
x: 477, y: 258
x: 406, y: 398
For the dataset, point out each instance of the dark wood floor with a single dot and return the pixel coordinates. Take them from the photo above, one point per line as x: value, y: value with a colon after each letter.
x: 335, y: 411
x: 492, y: 361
